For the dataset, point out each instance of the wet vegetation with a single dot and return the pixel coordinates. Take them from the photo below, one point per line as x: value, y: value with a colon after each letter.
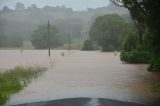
x: 18, y: 25
x: 135, y: 57
x: 90, y: 45
x: 14, y: 80
x: 109, y: 31
x: 157, y: 87
x: 145, y: 17
x: 40, y: 39
x: 134, y: 32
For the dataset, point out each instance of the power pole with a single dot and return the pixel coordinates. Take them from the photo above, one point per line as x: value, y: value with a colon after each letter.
x: 81, y: 41
x: 49, y: 49
x: 69, y: 43
x: 78, y: 42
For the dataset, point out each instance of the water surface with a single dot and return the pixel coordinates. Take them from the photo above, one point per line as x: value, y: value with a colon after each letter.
x: 81, y: 74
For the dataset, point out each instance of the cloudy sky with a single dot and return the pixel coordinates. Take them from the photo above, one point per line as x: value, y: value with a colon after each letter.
x: 75, y: 4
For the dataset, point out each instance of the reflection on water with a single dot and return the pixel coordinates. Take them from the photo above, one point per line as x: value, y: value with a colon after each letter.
x: 93, y: 102
x: 81, y: 74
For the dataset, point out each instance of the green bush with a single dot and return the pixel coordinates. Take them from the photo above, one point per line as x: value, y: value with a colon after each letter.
x: 124, y: 56
x: 135, y: 57
x: 153, y: 45
x: 108, y: 48
x: 90, y: 45
x: 108, y: 32
x: 40, y: 40
x: 130, y: 42
x: 157, y: 87
x: 154, y: 65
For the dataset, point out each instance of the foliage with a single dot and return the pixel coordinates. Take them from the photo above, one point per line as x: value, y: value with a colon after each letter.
x: 16, y: 79
x: 147, y: 56
x: 40, y: 37
x: 77, y: 23
x: 75, y: 44
x: 2, y: 40
x: 89, y: 45
x: 13, y: 41
x: 19, y: 6
x: 135, y: 57
x: 108, y: 31
x: 145, y: 14
x: 154, y: 47
x: 137, y: 13
x: 130, y: 42
x: 154, y: 65
x: 157, y: 87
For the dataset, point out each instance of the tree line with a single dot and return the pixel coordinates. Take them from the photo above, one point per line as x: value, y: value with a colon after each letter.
x: 138, y: 40
x: 21, y: 22
x: 146, y: 17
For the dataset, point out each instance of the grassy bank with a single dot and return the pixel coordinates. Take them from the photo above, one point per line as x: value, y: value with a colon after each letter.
x: 14, y: 80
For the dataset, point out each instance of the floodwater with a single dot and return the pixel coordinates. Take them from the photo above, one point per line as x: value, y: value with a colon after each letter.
x: 91, y: 74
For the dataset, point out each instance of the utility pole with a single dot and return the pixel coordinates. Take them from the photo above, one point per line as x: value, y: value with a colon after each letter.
x: 78, y: 41
x: 81, y: 42
x: 69, y: 43
x: 49, y: 49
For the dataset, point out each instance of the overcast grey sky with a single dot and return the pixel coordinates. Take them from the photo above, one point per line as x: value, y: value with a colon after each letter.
x: 75, y: 4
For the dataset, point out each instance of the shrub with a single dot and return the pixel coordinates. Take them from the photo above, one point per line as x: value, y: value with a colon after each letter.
x: 135, y: 57
x: 108, y: 48
x: 90, y: 45
x: 157, y: 87
x: 154, y: 65
x: 124, y: 56
x: 130, y: 42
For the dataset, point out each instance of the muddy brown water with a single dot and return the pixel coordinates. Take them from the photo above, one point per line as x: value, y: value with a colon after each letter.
x: 81, y: 74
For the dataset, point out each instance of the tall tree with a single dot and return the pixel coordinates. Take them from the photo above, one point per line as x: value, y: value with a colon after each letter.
x: 137, y: 13
x: 19, y: 6
x: 145, y: 14
x: 108, y: 31
x: 40, y: 37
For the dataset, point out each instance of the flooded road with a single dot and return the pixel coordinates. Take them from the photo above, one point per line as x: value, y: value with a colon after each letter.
x: 81, y: 74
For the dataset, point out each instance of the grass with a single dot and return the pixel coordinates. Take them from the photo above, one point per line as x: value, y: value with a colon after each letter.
x: 157, y: 87
x: 27, y: 45
x: 14, y: 80
x: 75, y: 44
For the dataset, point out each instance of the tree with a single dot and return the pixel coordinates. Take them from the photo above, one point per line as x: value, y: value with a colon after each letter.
x: 33, y: 7
x: 6, y: 9
x: 88, y: 45
x: 108, y: 31
x: 12, y: 41
x: 19, y: 6
x: 137, y: 14
x: 2, y: 40
x: 40, y: 37
x: 130, y: 42
x: 145, y: 14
